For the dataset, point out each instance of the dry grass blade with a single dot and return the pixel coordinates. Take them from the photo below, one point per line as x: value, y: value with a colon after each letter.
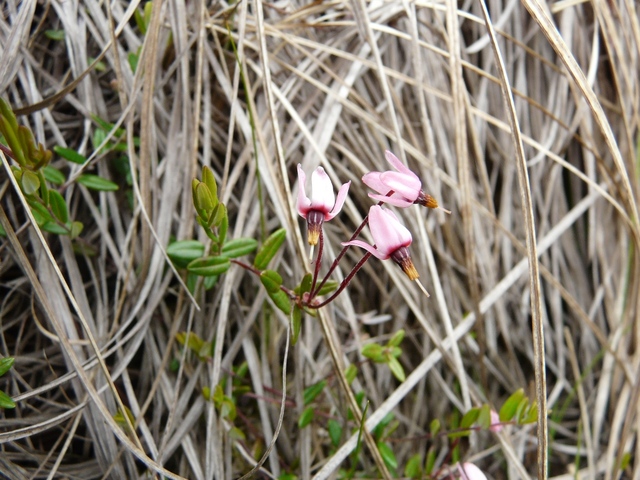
x: 532, y: 255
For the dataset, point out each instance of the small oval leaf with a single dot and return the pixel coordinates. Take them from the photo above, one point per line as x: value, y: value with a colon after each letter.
x: 58, y: 206
x: 269, y: 249
x: 328, y: 287
x: 70, y: 155
x: 281, y: 300
x: 387, y: 455
x: 53, y: 175
x: 508, y: 410
x: 209, y: 266
x: 469, y: 418
x: 5, y: 364
x: 271, y: 281
x: 396, y: 368
x: 296, y: 324
x: 335, y: 432
x: 239, y: 247
x: 310, y: 393
x: 306, y: 417
x: 95, y: 182
x: 184, y: 251
x: 6, y: 401
x: 30, y: 182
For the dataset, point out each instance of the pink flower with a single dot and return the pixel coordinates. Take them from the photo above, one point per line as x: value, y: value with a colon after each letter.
x: 391, y: 240
x: 468, y: 471
x: 322, y: 206
x: 405, y: 185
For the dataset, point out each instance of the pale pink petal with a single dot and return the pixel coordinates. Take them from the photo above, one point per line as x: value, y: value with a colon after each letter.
x: 367, y: 247
x: 407, y: 186
x: 372, y: 180
x: 396, y: 163
x: 303, y: 202
x: 322, y: 197
x: 342, y: 196
x: 392, y: 200
x: 387, y: 231
x: 468, y: 471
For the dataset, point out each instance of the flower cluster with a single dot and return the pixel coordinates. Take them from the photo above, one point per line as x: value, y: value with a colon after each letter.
x: 400, y: 188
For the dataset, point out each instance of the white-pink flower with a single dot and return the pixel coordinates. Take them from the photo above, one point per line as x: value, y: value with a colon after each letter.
x: 322, y: 204
x: 468, y: 471
x: 391, y: 239
x: 401, y: 188
x: 405, y: 185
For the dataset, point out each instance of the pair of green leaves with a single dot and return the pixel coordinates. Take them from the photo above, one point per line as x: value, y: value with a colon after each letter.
x: 388, y: 354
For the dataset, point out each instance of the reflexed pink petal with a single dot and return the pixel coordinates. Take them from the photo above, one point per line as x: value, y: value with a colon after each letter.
x: 342, y: 196
x: 367, y: 247
x: 396, y: 163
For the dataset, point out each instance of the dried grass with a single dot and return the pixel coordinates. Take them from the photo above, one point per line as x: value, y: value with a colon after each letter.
x: 523, y: 122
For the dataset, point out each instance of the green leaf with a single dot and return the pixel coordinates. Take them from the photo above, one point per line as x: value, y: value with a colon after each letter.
x: 235, y: 433
x: 54, y: 34
x: 430, y: 462
x: 2, y: 232
x: 470, y: 418
x: 55, y: 228
x: 58, y: 206
x: 509, y: 407
x: 484, y: 417
x: 210, y: 181
x: 76, y: 229
x: 269, y: 249
x: 30, y: 182
x: 335, y: 432
x: 328, y: 287
x: 374, y: 352
x: 209, y: 266
x: 532, y: 414
x: 396, y: 339
x: 239, y: 247
x: 203, y: 201
x: 209, y: 282
x: 271, y: 280
x: 413, y: 468
x: 305, y: 285
x: 434, y: 427
x: 95, y: 182
x: 281, y: 300
x: 184, y: 251
x: 625, y: 460
x: 224, y: 226
x: 133, y: 61
x: 351, y: 372
x: 6, y: 401
x: 521, y: 410
x: 296, y: 324
x: 218, y: 215
x: 70, y: 154
x: 310, y: 393
x: 396, y: 368
x: 387, y: 455
x: 53, y: 175
x: 5, y: 364
x: 306, y: 417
